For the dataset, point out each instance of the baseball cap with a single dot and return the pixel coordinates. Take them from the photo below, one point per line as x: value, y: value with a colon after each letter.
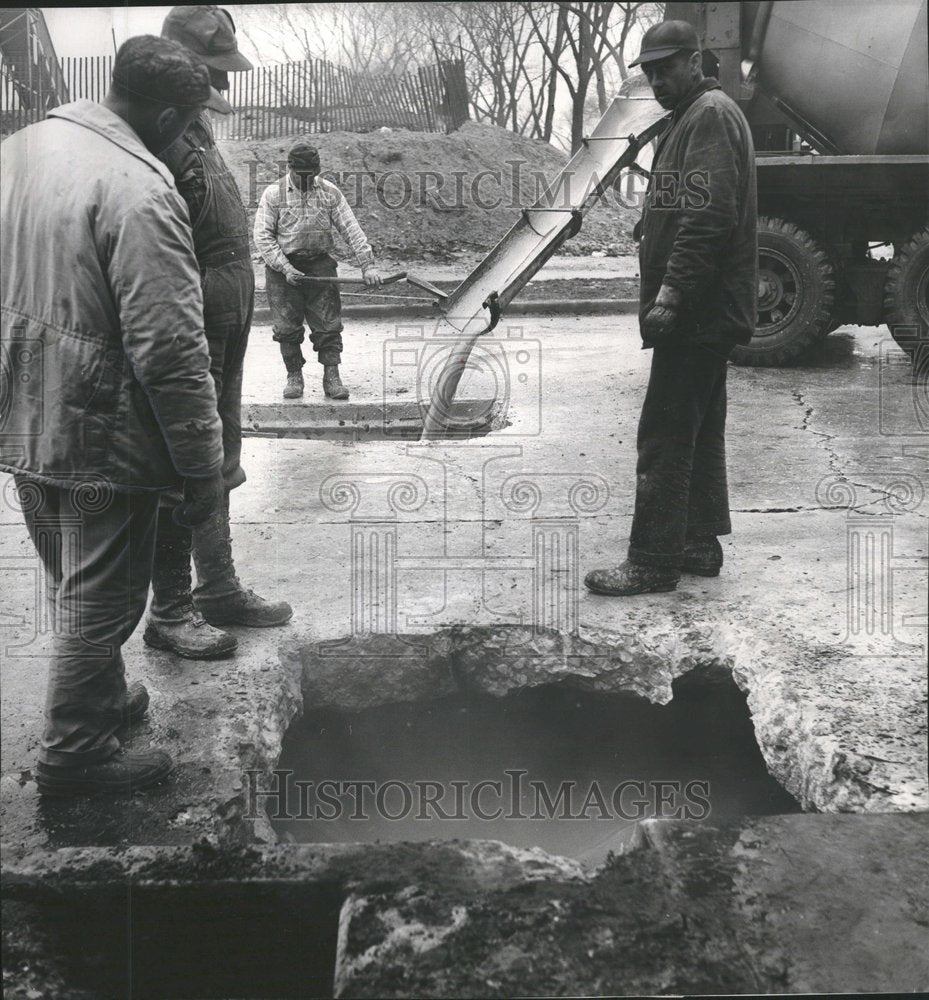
x: 664, y: 39
x: 303, y: 154
x: 209, y: 33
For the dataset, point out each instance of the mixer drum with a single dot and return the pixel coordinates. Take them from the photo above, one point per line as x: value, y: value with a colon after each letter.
x: 854, y: 69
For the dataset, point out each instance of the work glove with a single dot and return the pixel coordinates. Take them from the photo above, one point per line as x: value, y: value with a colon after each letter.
x: 661, y: 319
x: 203, y: 496
x: 371, y: 276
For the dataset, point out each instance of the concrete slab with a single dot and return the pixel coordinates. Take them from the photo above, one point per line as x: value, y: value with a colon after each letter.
x: 824, y: 459
x: 783, y: 904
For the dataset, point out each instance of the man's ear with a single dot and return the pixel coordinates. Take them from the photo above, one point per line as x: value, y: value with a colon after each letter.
x: 167, y: 121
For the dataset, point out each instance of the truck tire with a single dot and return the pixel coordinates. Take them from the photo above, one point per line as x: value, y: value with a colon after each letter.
x: 796, y: 294
x: 906, y: 294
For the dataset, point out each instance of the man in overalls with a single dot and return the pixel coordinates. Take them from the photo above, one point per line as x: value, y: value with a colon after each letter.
x: 294, y: 228
x: 181, y: 621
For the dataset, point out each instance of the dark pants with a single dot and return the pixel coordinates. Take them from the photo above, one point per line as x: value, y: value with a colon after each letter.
x: 228, y: 300
x: 681, y: 490
x: 319, y: 306
x: 96, y: 546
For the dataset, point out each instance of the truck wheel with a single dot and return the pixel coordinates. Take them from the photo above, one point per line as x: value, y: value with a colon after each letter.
x: 796, y: 292
x: 906, y: 294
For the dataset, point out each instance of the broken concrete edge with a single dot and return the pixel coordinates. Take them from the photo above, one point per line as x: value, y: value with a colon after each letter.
x: 469, y: 865
x: 559, y: 307
x: 774, y: 904
x: 778, y: 904
x: 253, y: 744
x: 645, y: 659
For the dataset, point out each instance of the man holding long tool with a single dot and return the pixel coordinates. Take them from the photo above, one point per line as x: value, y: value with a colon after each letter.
x: 697, y: 261
x: 184, y: 622
x: 293, y: 233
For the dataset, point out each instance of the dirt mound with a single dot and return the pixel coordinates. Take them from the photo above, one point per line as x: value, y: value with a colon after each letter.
x: 425, y: 196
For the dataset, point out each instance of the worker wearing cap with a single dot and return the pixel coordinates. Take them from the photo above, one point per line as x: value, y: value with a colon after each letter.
x: 697, y: 261
x: 294, y: 224
x: 181, y: 621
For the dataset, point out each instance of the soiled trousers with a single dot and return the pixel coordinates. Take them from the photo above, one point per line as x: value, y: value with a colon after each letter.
x: 96, y: 546
x: 681, y: 488
x: 317, y: 306
x: 228, y: 301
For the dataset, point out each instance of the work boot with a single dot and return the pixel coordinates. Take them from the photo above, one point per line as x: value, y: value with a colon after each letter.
x: 219, y: 594
x: 703, y: 556
x: 294, y: 387
x: 192, y: 637
x: 332, y: 383
x: 629, y: 578
x: 174, y: 624
x: 245, y: 608
x: 292, y: 356
x: 125, y: 772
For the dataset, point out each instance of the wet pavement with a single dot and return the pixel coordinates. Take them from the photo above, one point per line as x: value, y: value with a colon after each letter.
x: 827, y: 461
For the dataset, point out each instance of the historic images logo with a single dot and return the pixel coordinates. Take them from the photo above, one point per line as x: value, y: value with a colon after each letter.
x: 513, y: 796
x: 872, y: 562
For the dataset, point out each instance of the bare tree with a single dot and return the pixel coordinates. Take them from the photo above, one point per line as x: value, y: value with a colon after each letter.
x: 589, y: 36
x: 371, y: 38
x: 505, y: 75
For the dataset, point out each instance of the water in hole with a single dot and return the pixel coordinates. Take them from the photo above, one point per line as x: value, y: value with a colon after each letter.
x: 555, y: 736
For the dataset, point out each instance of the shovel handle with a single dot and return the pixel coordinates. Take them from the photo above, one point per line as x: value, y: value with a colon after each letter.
x: 316, y: 279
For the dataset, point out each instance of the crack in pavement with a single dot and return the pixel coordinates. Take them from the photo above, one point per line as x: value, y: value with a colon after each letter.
x: 807, y: 425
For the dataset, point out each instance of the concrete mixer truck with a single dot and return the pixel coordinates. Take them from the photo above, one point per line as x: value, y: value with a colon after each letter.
x: 837, y: 94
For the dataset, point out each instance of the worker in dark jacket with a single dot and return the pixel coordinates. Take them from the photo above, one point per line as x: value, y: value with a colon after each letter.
x: 179, y: 620
x: 106, y: 397
x: 696, y: 302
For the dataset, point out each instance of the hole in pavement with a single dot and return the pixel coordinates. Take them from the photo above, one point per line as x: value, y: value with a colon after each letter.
x: 198, y: 940
x: 594, y: 764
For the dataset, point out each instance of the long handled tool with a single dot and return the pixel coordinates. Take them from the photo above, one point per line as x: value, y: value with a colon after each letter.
x: 410, y: 279
x: 314, y: 279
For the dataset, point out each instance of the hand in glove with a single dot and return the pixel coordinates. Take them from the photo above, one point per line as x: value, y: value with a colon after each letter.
x: 202, y: 497
x: 661, y: 319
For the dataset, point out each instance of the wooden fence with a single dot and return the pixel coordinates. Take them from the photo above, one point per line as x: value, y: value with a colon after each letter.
x: 291, y: 98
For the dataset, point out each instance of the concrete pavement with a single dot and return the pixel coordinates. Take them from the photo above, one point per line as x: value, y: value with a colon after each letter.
x: 826, y: 461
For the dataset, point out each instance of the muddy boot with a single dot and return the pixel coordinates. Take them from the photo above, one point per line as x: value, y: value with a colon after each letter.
x: 703, y: 556
x: 293, y: 362
x: 629, y: 578
x: 219, y: 595
x: 174, y: 624
x: 248, y: 609
x: 192, y: 637
x: 127, y: 771
x: 294, y: 387
x: 332, y: 383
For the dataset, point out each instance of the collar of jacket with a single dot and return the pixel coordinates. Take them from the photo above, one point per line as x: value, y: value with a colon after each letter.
x: 99, y: 119
x: 707, y: 83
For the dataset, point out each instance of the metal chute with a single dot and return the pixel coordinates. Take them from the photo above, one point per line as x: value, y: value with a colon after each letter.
x: 476, y: 305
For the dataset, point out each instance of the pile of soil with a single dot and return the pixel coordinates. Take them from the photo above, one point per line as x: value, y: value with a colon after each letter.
x: 422, y: 196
